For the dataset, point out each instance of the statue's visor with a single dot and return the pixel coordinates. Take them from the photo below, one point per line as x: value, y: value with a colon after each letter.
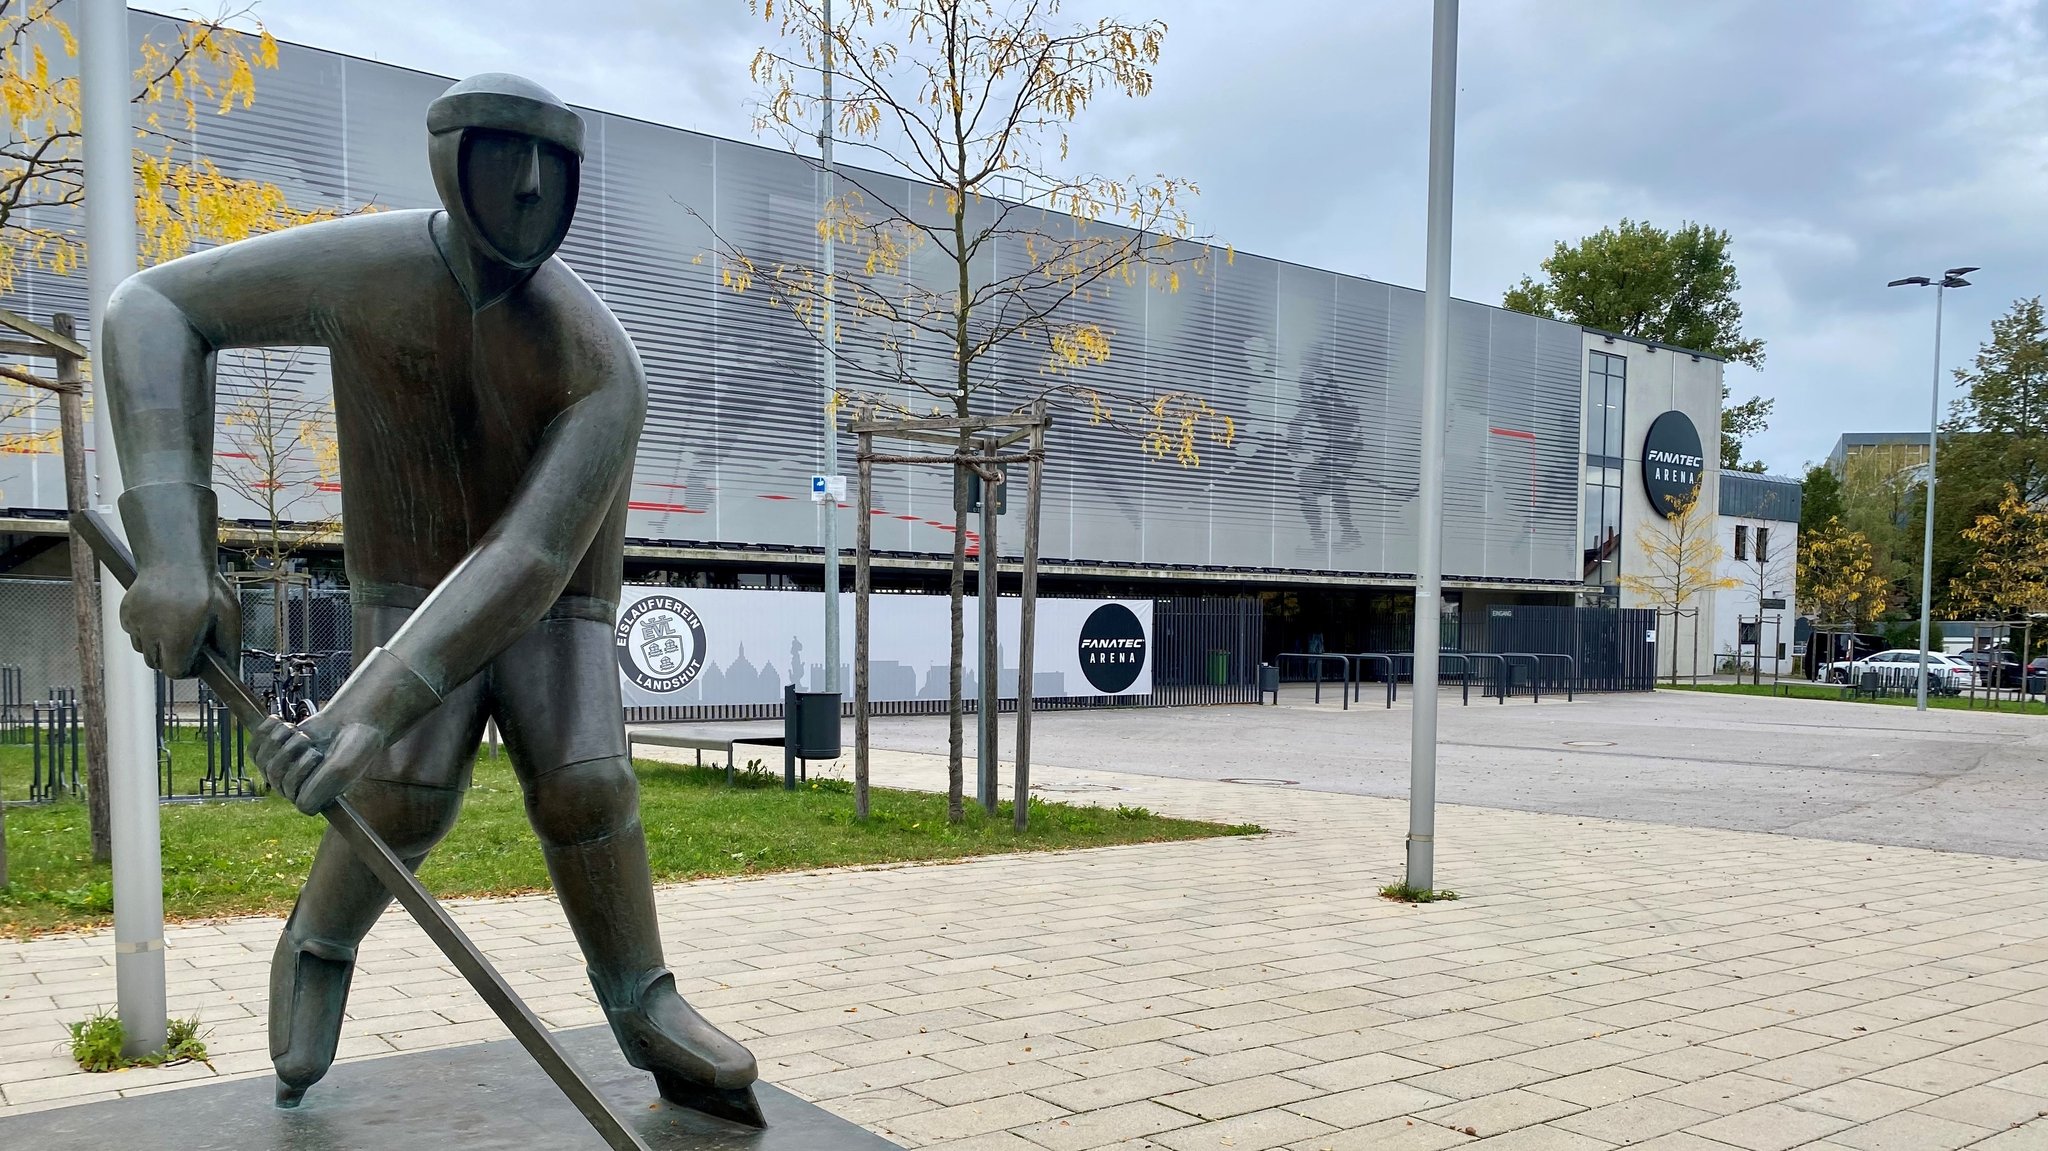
x: 507, y: 113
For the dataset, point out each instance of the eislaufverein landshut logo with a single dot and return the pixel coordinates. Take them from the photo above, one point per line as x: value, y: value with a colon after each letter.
x: 1112, y: 648
x: 1672, y: 462
x: 661, y: 644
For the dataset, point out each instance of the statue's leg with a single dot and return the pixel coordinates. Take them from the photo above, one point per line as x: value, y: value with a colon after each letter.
x: 556, y: 696
x: 411, y: 800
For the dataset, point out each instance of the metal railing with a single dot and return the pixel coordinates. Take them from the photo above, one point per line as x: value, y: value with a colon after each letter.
x: 1316, y: 660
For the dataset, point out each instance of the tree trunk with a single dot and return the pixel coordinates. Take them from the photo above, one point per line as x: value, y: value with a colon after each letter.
x: 1027, y: 625
x: 956, y: 591
x: 92, y: 693
x: 987, y: 745
x: 864, y: 532
x: 280, y: 616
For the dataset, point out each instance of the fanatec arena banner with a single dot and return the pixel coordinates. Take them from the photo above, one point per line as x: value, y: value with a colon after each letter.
x: 683, y: 646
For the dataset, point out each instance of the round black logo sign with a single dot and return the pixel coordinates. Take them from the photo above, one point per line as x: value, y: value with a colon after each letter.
x: 661, y: 644
x: 1112, y: 648
x: 1672, y: 462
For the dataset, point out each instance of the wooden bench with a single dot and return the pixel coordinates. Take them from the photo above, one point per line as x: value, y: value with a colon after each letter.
x: 701, y: 743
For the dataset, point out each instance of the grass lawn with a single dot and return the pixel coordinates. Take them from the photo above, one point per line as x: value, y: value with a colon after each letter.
x: 247, y: 856
x: 1828, y: 691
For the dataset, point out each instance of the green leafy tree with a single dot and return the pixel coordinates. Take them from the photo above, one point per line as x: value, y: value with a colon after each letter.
x: 1820, y: 498
x: 1878, y: 502
x: 1675, y: 287
x: 1996, y: 436
x: 2002, y: 414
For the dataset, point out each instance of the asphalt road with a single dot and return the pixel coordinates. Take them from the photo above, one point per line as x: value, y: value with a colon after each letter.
x: 1951, y: 780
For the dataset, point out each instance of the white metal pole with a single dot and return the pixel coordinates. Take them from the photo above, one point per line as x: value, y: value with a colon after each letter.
x: 1927, y: 544
x: 1436, y: 349
x: 104, y: 64
x: 828, y: 509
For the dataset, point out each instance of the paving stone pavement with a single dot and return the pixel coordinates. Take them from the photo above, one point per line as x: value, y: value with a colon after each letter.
x: 1600, y: 984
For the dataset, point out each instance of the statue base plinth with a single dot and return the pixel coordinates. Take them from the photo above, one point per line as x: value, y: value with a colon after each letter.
x: 477, y: 1098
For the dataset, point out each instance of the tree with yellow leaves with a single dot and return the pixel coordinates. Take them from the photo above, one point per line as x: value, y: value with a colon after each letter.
x: 975, y: 275
x: 190, y: 68
x: 201, y: 66
x: 1681, y: 559
x: 1840, y: 579
x: 2008, y: 574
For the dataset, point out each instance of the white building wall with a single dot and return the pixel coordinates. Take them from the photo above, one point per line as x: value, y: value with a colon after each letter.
x: 1778, y: 582
x: 1662, y: 379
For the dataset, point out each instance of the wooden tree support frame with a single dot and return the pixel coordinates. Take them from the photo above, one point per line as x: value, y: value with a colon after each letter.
x: 58, y: 343
x: 978, y: 442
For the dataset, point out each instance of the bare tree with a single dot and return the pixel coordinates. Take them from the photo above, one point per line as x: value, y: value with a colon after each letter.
x: 1681, y: 559
x: 1766, y: 568
x: 280, y: 455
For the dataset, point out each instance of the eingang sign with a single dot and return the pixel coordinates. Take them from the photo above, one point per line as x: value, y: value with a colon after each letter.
x: 1673, y: 463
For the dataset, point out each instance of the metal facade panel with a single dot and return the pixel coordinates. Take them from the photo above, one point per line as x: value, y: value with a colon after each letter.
x: 1319, y: 371
x: 1746, y: 495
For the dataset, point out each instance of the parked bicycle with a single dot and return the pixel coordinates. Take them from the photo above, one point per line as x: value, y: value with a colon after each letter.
x: 289, y: 696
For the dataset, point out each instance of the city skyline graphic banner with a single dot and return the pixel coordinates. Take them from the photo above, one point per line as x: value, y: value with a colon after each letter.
x: 680, y: 647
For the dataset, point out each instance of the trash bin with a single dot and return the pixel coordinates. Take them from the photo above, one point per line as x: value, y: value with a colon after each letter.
x: 810, y: 729
x: 1219, y: 667
x: 1269, y: 682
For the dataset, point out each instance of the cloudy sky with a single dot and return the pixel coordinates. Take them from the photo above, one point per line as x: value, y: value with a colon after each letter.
x: 1844, y: 143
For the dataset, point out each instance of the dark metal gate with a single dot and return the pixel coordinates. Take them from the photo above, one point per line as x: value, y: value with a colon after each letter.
x: 1614, y: 648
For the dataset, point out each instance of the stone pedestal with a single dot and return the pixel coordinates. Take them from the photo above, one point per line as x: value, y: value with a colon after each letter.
x: 484, y: 1097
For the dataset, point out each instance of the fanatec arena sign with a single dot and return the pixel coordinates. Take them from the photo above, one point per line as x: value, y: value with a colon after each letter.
x: 1672, y: 462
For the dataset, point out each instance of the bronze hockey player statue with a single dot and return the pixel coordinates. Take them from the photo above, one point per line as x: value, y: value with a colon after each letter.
x: 487, y: 404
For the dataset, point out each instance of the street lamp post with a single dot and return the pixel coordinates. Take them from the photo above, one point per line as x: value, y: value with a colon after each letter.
x: 1953, y: 278
x: 1436, y: 349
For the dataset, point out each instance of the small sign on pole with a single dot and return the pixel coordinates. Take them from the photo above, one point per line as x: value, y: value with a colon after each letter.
x: 824, y: 488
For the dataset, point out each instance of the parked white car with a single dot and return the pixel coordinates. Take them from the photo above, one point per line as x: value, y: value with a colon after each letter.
x: 1901, y: 666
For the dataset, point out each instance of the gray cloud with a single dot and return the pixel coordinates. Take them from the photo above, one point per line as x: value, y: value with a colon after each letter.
x: 1843, y: 143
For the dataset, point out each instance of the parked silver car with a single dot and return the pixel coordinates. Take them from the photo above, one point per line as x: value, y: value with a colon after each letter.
x: 1901, y: 667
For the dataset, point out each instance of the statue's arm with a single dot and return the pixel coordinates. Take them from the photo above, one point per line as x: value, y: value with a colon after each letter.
x: 155, y: 377
x: 165, y: 324
x: 516, y: 572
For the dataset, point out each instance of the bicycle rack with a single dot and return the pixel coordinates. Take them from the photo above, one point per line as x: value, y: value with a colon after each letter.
x: 1355, y: 660
x: 1317, y: 660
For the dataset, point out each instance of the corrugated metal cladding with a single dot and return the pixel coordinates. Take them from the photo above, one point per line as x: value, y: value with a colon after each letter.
x: 1320, y: 371
x: 1746, y: 495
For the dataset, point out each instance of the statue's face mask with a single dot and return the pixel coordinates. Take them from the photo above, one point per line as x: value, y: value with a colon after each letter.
x: 518, y: 194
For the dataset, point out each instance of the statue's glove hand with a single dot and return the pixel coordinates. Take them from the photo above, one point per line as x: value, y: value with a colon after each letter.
x: 313, y: 763
x: 179, y: 605
x: 173, y: 614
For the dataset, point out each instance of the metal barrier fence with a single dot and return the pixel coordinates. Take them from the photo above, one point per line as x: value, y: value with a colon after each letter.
x: 201, y: 752
x: 1513, y: 650
x: 38, y: 639
x: 57, y: 767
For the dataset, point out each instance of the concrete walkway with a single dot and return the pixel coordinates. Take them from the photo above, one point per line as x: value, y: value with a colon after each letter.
x: 1600, y: 984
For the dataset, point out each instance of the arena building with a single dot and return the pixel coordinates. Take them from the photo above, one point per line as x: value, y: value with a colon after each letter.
x: 1559, y: 439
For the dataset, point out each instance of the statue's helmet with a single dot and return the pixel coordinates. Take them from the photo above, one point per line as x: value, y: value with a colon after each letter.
x: 507, y: 157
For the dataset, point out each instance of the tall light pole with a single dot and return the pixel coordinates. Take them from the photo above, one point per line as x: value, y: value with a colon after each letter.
x: 828, y: 509
x: 105, y: 54
x: 1953, y: 278
x: 1436, y: 350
